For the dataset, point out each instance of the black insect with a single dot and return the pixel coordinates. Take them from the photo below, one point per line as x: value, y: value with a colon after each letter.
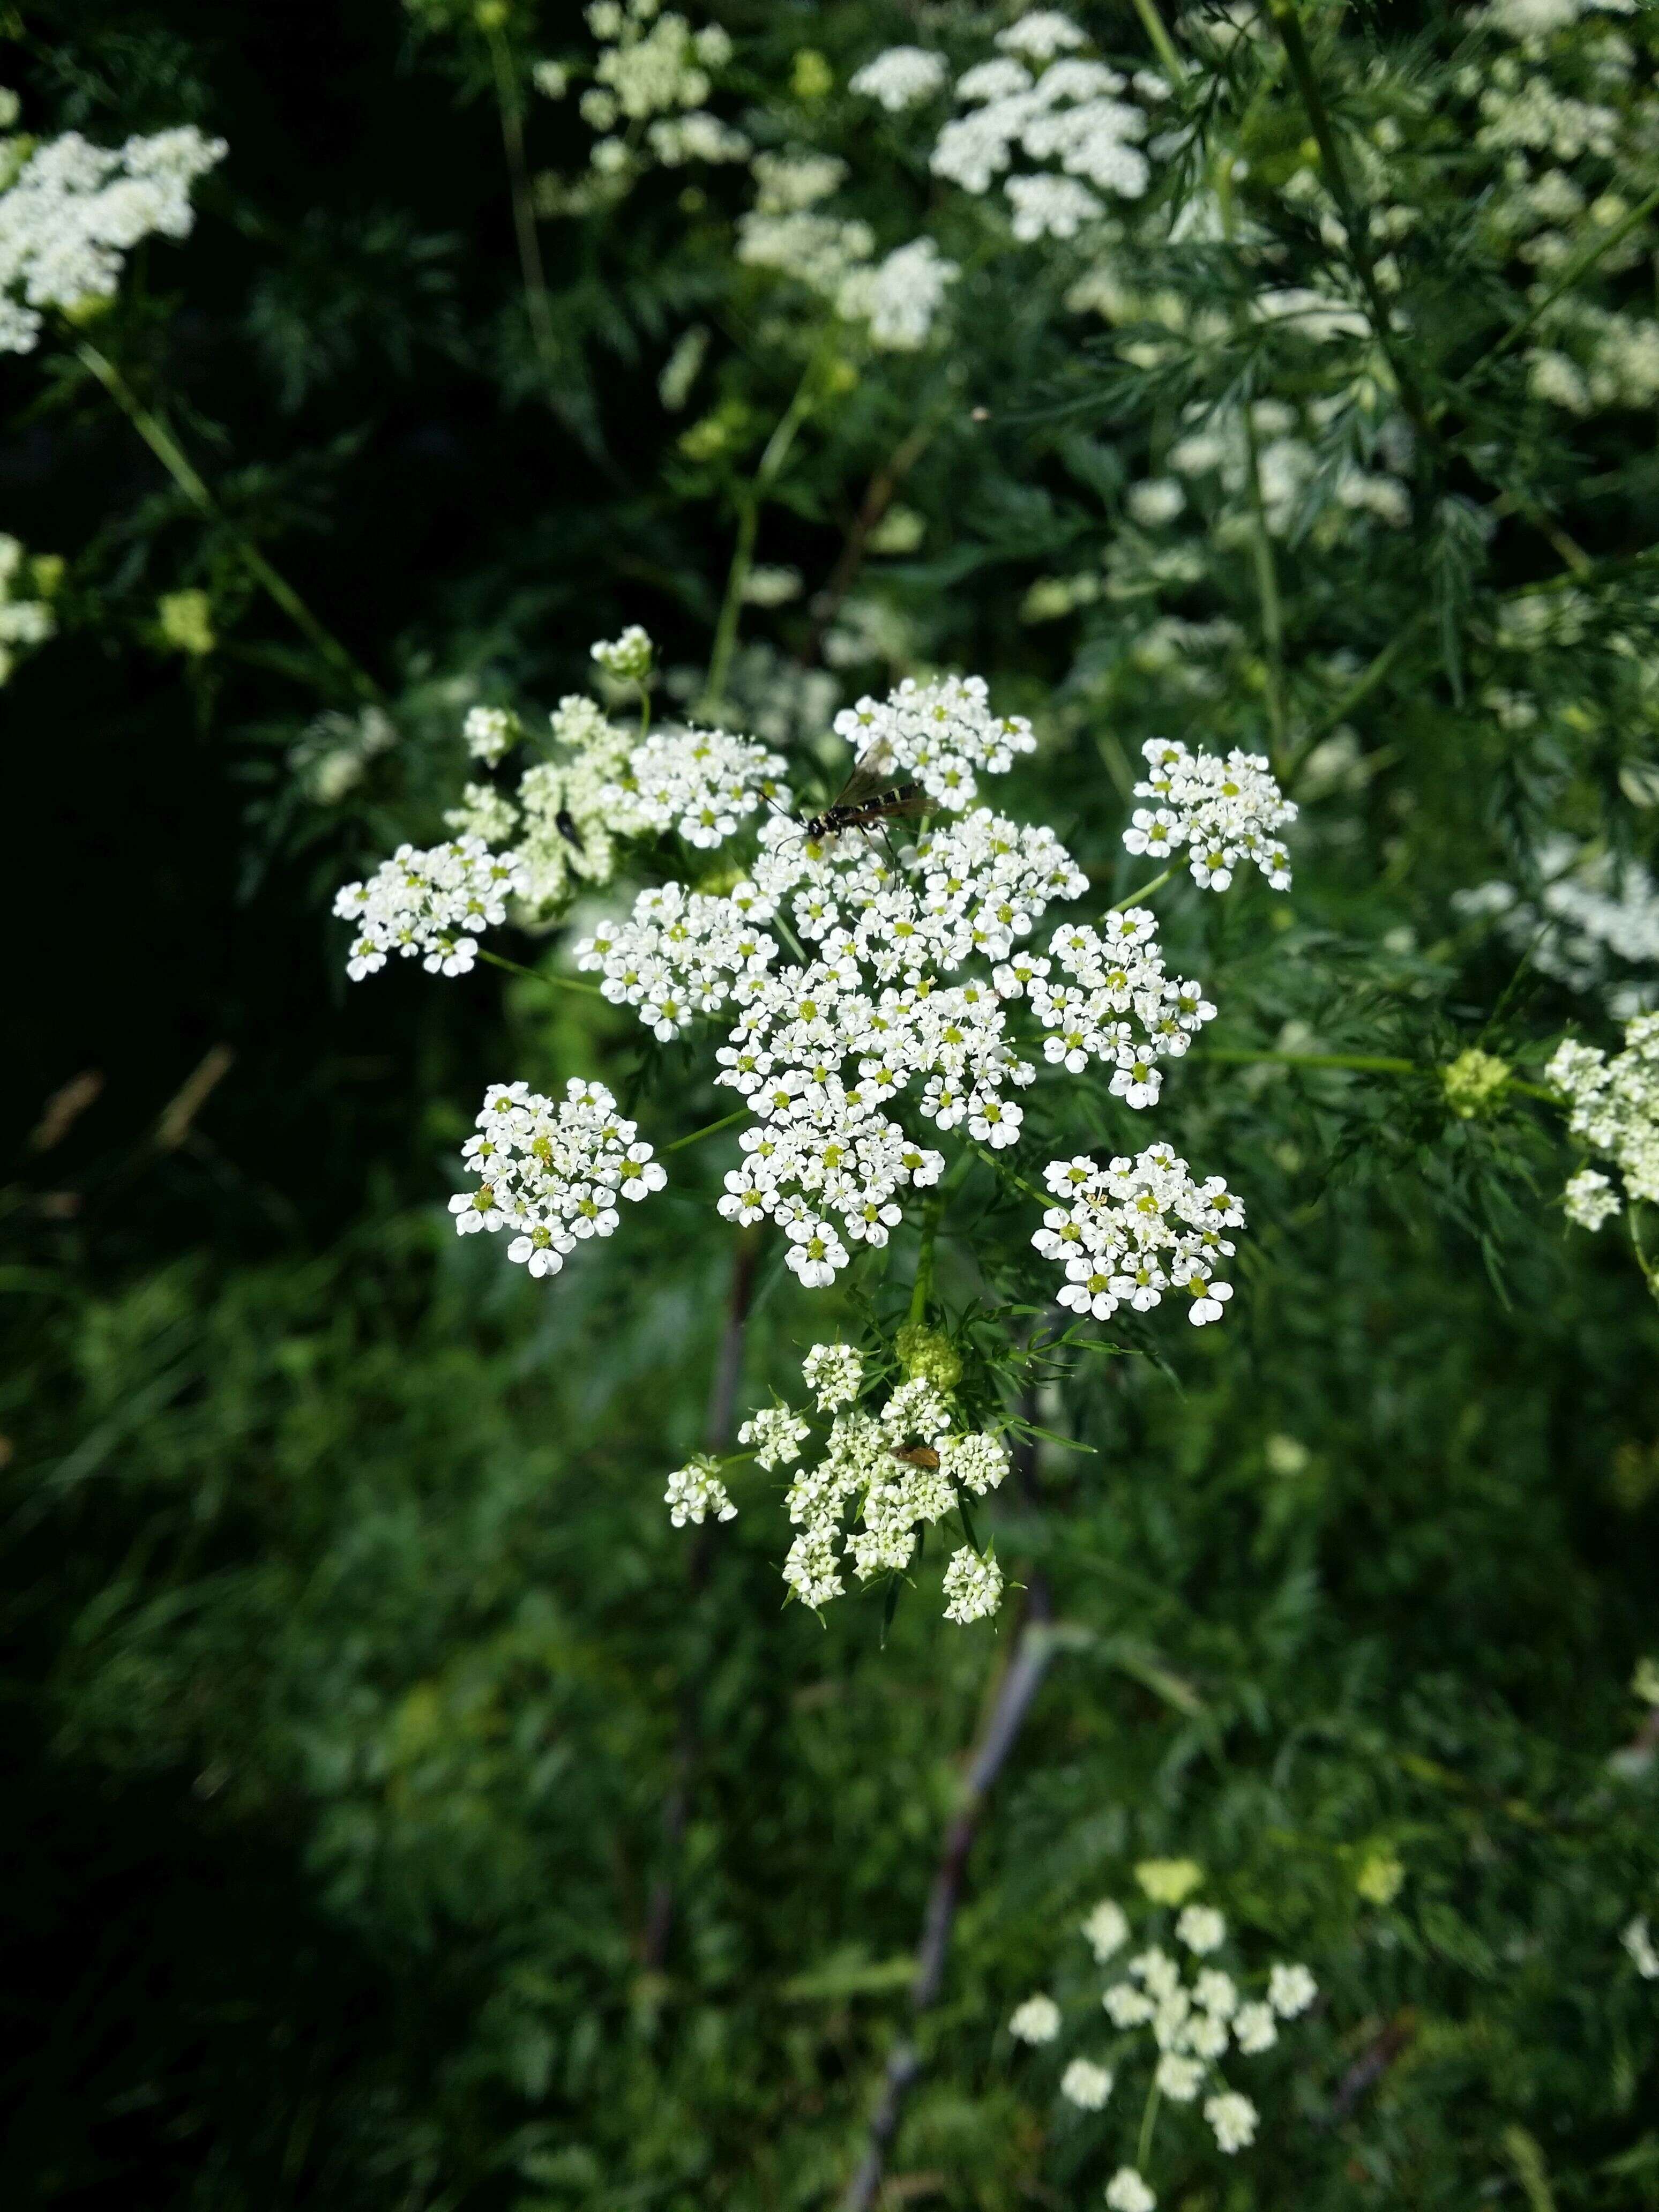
x: 869, y: 796
x: 565, y: 823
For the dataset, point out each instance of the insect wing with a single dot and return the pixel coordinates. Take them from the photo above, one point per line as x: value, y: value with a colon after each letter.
x: 870, y: 771
x: 908, y: 800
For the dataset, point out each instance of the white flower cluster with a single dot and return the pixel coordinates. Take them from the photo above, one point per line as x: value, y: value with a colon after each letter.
x: 786, y: 232
x: 1292, y: 447
x: 1128, y: 1232
x: 1637, y: 1940
x: 560, y: 822
x: 939, y: 733
x: 1040, y: 98
x: 24, y: 620
x: 876, y: 1006
x: 628, y: 657
x: 701, y: 783
x: 1192, y: 2026
x: 886, y: 1475
x: 552, y: 1173
x: 427, y: 904
x: 899, y: 297
x: 1589, y: 907
x: 653, y: 70
x: 695, y: 1493
x: 1222, y: 812
x: 679, y: 955
x: 1613, y: 1109
x: 1114, y: 971
x: 900, y: 78
x: 73, y: 210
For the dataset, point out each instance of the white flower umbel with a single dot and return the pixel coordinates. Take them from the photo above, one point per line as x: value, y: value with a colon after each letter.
x: 882, y: 1478
x: 1590, y: 1199
x: 1291, y: 1991
x: 1127, y: 2192
x: 695, y: 1493
x: 899, y: 297
x: 627, y: 658
x: 1042, y: 101
x: 1222, y: 813
x: 1134, y: 1231
x: 551, y: 1174
x: 1086, y: 2085
x: 1184, y: 2027
x: 877, y: 1007
x: 939, y: 733
x: 973, y: 1587
x: 1613, y: 1109
x: 427, y: 905
x: 901, y: 77
x: 1036, y: 2021
x: 1234, y: 2119
x: 678, y: 956
x: 75, y: 209
x: 776, y: 1434
x: 833, y: 1373
x: 1107, y: 1929
x: 490, y: 732
x: 701, y: 783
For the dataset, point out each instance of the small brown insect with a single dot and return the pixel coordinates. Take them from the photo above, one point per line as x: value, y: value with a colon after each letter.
x: 918, y: 1455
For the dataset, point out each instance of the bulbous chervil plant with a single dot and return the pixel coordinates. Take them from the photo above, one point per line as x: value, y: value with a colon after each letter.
x: 1116, y: 794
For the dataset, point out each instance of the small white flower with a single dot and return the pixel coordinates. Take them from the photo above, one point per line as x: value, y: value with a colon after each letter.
x: 1290, y: 1989
x: 1255, y: 2028
x: 1127, y: 2006
x: 1201, y: 1928
x: 1234, y: 2119
x: 1107, y: 1929
x: 1086, y: 2085
x: 1035, y: 2020
x: 1127, y: 2192
x: 1178, y: 2077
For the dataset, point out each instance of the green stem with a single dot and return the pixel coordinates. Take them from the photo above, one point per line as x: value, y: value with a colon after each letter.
x: 173, y: 458
x: 1044, y: 1198
x: 1642, y: 1260
x: 1360, y: 689
x: 1361, y: 1063
x: 711, y: 1129
x: 1146, y: 890
x: 1163, y: 44
x: 537, y: 302
x: 748, y: 514
x: 922, y: 1290
x: 1148, y: 2122
x: 539, y: 976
